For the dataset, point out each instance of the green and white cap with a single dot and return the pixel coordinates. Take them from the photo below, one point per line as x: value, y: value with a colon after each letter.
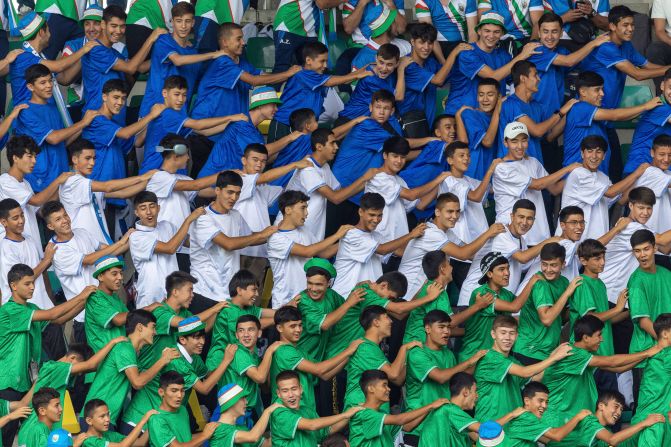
x: 93, y: 12
x: 105, y: 263
x: 383, y: 22
x: 30, y: 24
x: 491, y: 18
x: 263, y: 95
x: 189, y: 326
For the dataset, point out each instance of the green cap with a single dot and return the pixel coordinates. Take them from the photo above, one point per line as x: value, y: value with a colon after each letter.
x: 189, y: 326
x: 322, y: 264
x: 263, y: 95
x: 229, y: 395
x: 105, y: 263
x: 383, y: 22
x: 492, y: 18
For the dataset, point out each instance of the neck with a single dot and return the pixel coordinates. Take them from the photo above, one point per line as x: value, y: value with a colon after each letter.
x: 584, y: 165
x: 581, y: 345
x: 35, y: 43
x: 256, y: 117
x: 15, y: 172
x: 415, y: 57
x: 387, y: 170
x: 93, y: 432
x: 45, y: 421
x: 286, y: 340
x: 181, y: 41
x: 602, y: 419
x: 498, y: 349
x: 64, y: 237
x: 432, y: 344
x: 137, y: 342
x: 440, y: 224
x: 495, y: 287
x: 218, y: 208
x: 106, y: 290
x: 105, y: 111
x: 235, y: 57
x: 166, y: 407
x: 523, y: 93
x: 13, y: 236
x: 373, y: 335
x: 458, y: 401
x: 373, y: 403
x: 482, y: 47
x: 229, y: 418
x: 320, y: 158
x: 173, y: 304
x: 615, y: 39
x: 590, y: 274
x: 19, y: 300
x: 167, y: 166
x: 360, y: 226
x: 512, y: 231
x: 664, y: 342
x: 651, y: 269
x: 105, y: 40
x: 37, y: 100
x: 456, y: 172
x: 287, y: 224
x: 151, y: 224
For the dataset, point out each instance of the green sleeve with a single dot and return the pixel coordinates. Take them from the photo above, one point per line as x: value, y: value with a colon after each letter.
x: 160, y: 432
x: 284, y: 423
x: 256, y: 311
x: 638, y: 302
x: 224, y: 436
x: 372, y: 355
x: 288, y: 358
x: 95, y: 442
x: 527, y: 427
x: 587, y: 430
x: 4, y: 407
x: 124, y: 356
x: 373, y: 299
x: 164, y: 316
x: 20, y: 317
x: 575, y: 364
x: 54, y: 374
x: 99, y: 312
x: 186, y: 370
x: 313, y: 316
x: 457, y: 417
x: 541, y: 295
x: 371, y: 422
x: 492, y: 368
x: 242, y: 361
x: 419, y: 364
x: 582, y: 300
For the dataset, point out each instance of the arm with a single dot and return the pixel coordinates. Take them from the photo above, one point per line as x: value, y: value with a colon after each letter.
x: 401, y: 308
x: 61, y: 64
x: 351, y: 21
x: 361, y: 73
x: 111, y: 186
x: 549, y: 314
x: 626, y: 113
x: 441, y: 76
x: 524, y: 256
x: 559, y: 433
x: 253, y: 435
x: 399, y: 94
x: 492, y: 131
x: 330, y: 367
x: 616, y: 310
x: 56, y: 314
x: 548, y: 181
x: 396, y: 370
x: 6, y: 124
x: 205, y: 386
x: 139, y: 379
x: 467, y: 251
x: 275, y: 173
x: 342, y: 130
x: 280, y: 144
x: 443, y: 375
x: 116, y: 248
x: 416, y: 193
x: 645, y: 323
x: 197, y: 184
x: 462, y: 135
x: 137, y: 127
x: 481, y: 302
x: 517, y: 303
x: 404, y: 418
x: 170, y: 247
x: 49, y: 252
x: 92, y: 363
x: 562, y: 351
x: 209, y: 123
x: 320, y: 423
x: 19, y: 413
x: 133, y: 436
x: 476, y: 195
x: 620, y: 225
x: 340, y: 195
x: 660, y: 30
x: 259, y: 374
x: 130, y: 67
x: 613, y: 361
x: 331, y: 319
x: 51, y: 191
x: 402, y: 241
x: 641, y: 73
x: 626, y: 433
x: 63, y: 135
x: 309, y: 251
x: 269, y: 78
x: 199, y: 438
x: 11, y: 57
x: 187, y: 59
x: 236, y: 243
x: 625, y: 184
x: 503, y: 72
x: 571, y: 60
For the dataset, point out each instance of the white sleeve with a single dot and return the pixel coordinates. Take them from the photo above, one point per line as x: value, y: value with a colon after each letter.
x: 14, y: 190
x: 76, y: 191
x: 203, y: 230
x: 504, y: 245
x: 510, y: 180
x: 589, y: 188
x: 68, y: 260
x: 456, y: 187
x: 658, y: 11
x: 655, y: 179
x: 385, y: 186
x: 538, y: 168
x: 279, y: 246
x: 142, y: 244
x: 245, y: 230
x: 248, y: 186
x: 270, y: 193
x: 312, y: 179
x: 358, y: 245
x: 162, y: 184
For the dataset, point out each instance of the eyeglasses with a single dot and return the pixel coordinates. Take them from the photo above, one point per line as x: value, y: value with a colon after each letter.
x: 579, y: 223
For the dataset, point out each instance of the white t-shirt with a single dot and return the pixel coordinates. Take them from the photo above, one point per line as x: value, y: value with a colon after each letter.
x: 22, y: 252
x: 472, y: 221
x: 661, y: 9
x: 620, y: 261
x: 505, y: 243
x: 288, y: 273
x: 356, y: 260
x: 586, y: 189
x: 85, y: 207
x: 211, y: 264
x: 658, y: 180
x: 570, y: 269
x: 73, y: 275
x: 510, y: 183
x: 22, y: 192
x: 308, y: 181
x: 411, y: 263
x: 152, y: 267
x: 394, y: 222
x: 253, y: 205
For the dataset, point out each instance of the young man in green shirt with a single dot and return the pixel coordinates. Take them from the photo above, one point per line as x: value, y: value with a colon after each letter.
x: 170, y: 427
x: 47, y: 405
x: 373, y: 427
x: 119, y: 371
x: 99, y: 434
x: 295, y: 425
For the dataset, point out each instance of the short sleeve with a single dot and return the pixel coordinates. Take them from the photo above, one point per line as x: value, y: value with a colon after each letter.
x: 204, y: 230
x: 609, y: 54
x: 541, y: 296
x: 358, y: 245
x: 417, y: 78
x: 101, y: 59
x: 226, y: 73
x: 527, y: 427
x: 38, y: 127
x: 313, y: 316
x: 576, y: 363
x: 12, y: 188
x: 20, y: 317
x: 590, y: 188
x: 290, y: 357
x: 582, y: 114
x: 160, y: 431
x: 124, y: 356
x: 492, y: 368
x: 106, y: 129
x: 582, y: 300
x: 248, y: 186
x: 386, y: 186
x: 242, y: 361
x: 98, y: 311
x: 142, y: 244
x: 636, y: 58
x: 456, y: 417
x: 67, y: 260
x: 76, y: 191
x: 311, y: 80
x: 284, y: 423
x: 163, y: 48
x: 655, y: 179
x: 638, y: 302
x: 371, y: 421
x: 510, y: 180
x: 469, y: 64
x: 419, y: 364
x: 163, y: 317
x: 279, y: 246
x: 312, y: 179
x: 458, y: 188
x: 162, y: 184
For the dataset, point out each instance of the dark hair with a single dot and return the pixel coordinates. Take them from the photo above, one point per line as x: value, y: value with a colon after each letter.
x: 553, y: 250
x: 445, y: 198
x: 436, y: 316
x: 138, y: 316
x: 588, y: 79
x: 431, y: 263
x: 590, y: 248
x: 667, y: 75
x: 336, y: 439
x: 489, y: 81
x: 371, y: 376
x: 550, y: 17
x: 570, y: 210
x: 248, y: 319
x: 242, y: 279
x: 461, y: 381
x: 594, y: 142
x: 383, y: 95
x: 7, y: 205
x: 144, y: 197
x: 290, y: 198
x: 225, y: 30
x: 115, y: 85
x: 256, y: 147
x: 43, y: 396
x: 396, y: 282
x: 171, y: 140
x: 320, y: 136
x: 524, y: 204
x: 170, y: 378
x: 586, y: 326
x: 372, y: 201
x: 112, y: 12
x: 533, y: 387
x: 451, y: 148
x: 521, y: 68
x: 396, y: 145
x: 176, y: 81
x: 317, y: 271
x: 226, y: 178
x: 618, y: 13
x: 639, y: 237
x: 313, y: 50
x: 440, y: 118
x: 642, y: 195
x: 50, y: 208
x: 606, y: 396
x: 181, y: 9
x: 92, y: 405
x: 19, y: 145
x: 80, y: 349
x: 300, y: 117
x: 661, y: 140
x: 286, y: 314
x: 389, y: 51
x: 17, y: 272
x: 78, y: 146
x: 34, y: 72
x: 662, y: 323
x: 424, y: 32
x: 370, y: 314
x: 287, y: 375
x: 504, y: 321
x: 176, y: 280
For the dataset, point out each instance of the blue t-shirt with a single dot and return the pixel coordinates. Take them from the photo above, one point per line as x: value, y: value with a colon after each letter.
x: 305, y: 89
x: 652, y: 123
x: 96, y: 70
x: 221, y: 92
x: 551, y: 88
x: 228, y: 150
x: 512, y: 109
x: 365, y: 56
x: 298, y: 149
x: 169, y: 121
x: 420, y: 93
x: 477, y: 123
x: 17, y: 70
x: 602, y: 60
x: 463, y: 77
x: 580, y: 123
x: 450, y: 19
x: 516, y: 16
x: 359, y: 103
x: 162, y: 67
x: 561, y: 7
x: 37, y: 122
x: 428, y: 165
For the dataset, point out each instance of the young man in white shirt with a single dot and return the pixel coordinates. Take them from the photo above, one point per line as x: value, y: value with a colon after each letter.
x: 361, y: 251
x: 76, y: 256
x: 291, y: 247
x: 216, y: 239
x: 522, y: 177
x: 83, y: 198
x: 658, y: 178
x: 153, y: 246
x: 590, y: 189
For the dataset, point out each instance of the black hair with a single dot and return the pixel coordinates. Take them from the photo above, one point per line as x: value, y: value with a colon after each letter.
x: 144, y: 197
x: 290, y: 198
x: 43, y: 396
x: 138, y: 316
x: 524, y: 204
x: 170, y: 378
x: 606, y: 396
x: 371, y: 376
x: 424, y: 32
x: 34, y: 72
x: 181, y: 9
x: 588, y: 79
x: 115, y: 85
x: 533, y: 387
x: 370, y: 314
x: 299, y: 118
x: 396, y: 145
x: 49, y: 208
x: 440, y: 118
x: 19, y: 145
x: 489, y: 81
x: 431, y: 263
x: 372, y: 201
x: 642, y: 195
x: 521, y: 68
x: 112, y: 12
x: 226, y: 178
x: 17, y: 272
x: 506, y: 321
x: 7, y: 205
x: 317, y: 271
x: 78, y: 146
x: 396, y: 282
x: 225, y: 30
x: 177, y: 280
x: 641, y: 237
x: 436, y: 316
x: 287, y: 375
x: 550, y: 17
x: 242, y: 279
x: 661, y: 140
x: 553, y: 250
x: 383, y: 95
x: 590, y: 248
x: 313, y: 50
x: 662, y: 323
x: 570, y: 210
x: 248, y: 319
x: 594, y: 142
x: 336, y: 439
x: 92, y: 405
x: 389, y: 51
x: 79, y: 349
x: 619, y: 12
x: 445, y: 198
x: 451, y: 148
x: 255, y: 147
x: 320, y: 136
x: 175, y: 81
x: 586, y: 326
x: 286, y: 314
x: 461, y: 381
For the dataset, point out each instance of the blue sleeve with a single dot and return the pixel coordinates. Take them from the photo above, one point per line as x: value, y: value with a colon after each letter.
x: 417, y: 78
x: 609, y: 54
x: 105, y: 130
x: 544, y: 60
x: 163, y: 48
x: 101, y: 59
x: 33, y: 125
x: 512, y: 110
x: 603, y: 7
x: 471, y: 7
x: 536, y: 4
x: 470, y: 64
x: 312, y: 80
x: 225, y: 72
x: 475, y: 129
x: 583, y: 114
x: 249, y: 68
x: 635, y: 57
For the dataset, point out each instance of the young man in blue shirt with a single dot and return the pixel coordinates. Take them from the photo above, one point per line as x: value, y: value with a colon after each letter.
x: 520, y: 17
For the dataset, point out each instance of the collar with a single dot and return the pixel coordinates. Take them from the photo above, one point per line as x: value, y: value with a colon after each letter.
x: 185, y: 354
x: 140, y: 227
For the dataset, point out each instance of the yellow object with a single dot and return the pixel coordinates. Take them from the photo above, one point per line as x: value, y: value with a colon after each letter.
x: 264, y: 126
x: 267, y: 289
x: 195, y: 410
x: 70, y: 420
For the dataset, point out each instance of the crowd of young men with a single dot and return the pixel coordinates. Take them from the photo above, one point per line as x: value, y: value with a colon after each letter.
x: 403, y: 277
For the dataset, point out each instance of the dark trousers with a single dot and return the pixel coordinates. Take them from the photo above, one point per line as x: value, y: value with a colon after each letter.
x: 659, y: 53
x: 343, y: 66
x: 62, y: 29
x: 346, y: 213
x: 136, y: 36
x: 616, y: 165
x: 206, y: 35
x: 184, y: 262
x: 10, y: 430
x: 447, y: 47
x: 415, y: 124
x: 53, y: 341
x: 288, y: 47
x: 201, y: 147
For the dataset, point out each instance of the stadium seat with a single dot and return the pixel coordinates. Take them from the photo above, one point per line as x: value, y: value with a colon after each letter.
x: 633, y: 95
x: 260, y: 52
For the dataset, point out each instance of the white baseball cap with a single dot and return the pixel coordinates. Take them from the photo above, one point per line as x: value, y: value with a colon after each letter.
x: 514, y: 129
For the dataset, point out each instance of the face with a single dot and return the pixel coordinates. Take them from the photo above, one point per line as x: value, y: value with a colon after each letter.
x: 227, y: 196
x: 592, y: 158
x: 448, y: 214
x: 234, y: 43
x: 23, y: 288
x: 499, y: 275
x: 248, y: 334
x: 92, y: 29
x: 172, y: 395
x: 460, y: 160
x: 26, y: 163
x: 593, y: 342
x: 59, y: 222
x: 488, y: 96
x: 470, y: 397
x: 611, y: 410
x: 385, y: 67
x: 531, y: 82
x: 267, y: 111
x: 592, y: 95
x: 147, y: 212
x: 183, y: 295
x: 423, y: 48
x: 394, y: 162
x: 53, y: 411
x: 385, y: 291
x: 289, y: 391
x: 370, y: 219
x: 115, y: 100
x: 504, y: 338
x: 114, y: 29
x: 666, y: 90
x: 100, y: 419
x: 537, y: 404
x: 254, y: 162
x: 193, y: 343
x: 645, y: 254
x: 183, y: 25
x: 446, y: 130
x: 380, y: 390
x: 517, y: 147
x: 175, y: 98
x: 574, y: 227
x: 297, y: 213
x: 551, y: 268
x: 489, y: 35
x: 595, y: 264
x: 383, y: 323
x: 522, y: 220
x: 661, y: 157
x: 330, y: 149
x: 84, y: 162
x: 316, y: 287
x: 624, y: 29
x: 380, y: 111
x: 438, y: 333
x: 318, y: 64
x: 15, y: 222
x: 291, y: 330
x: 550, y: 33
x: 248, y: 295
x: 42, y: 87
x: 112, y: 278
x: 147, y: 332
x: 640, y: 212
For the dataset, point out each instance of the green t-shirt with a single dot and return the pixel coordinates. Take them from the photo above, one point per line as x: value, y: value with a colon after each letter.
x: 584, y: 435
x: 525, y: 430
x: 591, y: 296
x: 56, y: 375
x: 100, y: 309
x: 420, y: 389
x: 446, y: 426
x: 572, y: 387
x: 111, y: 384
x: 287, y: 358
x: 348, y: 328
x: 414, y: 327
x: 654, y: 394
x: 536, y: 340
x: 223, y: 332
x: 73, y: 10
x: 284, y: 428
x: 33, y: 433
x: 653, y: 436
x: 313, y: 340
x: 224, y: 436
x: 150, y: 13
x: 478, y: 328
x: 167, y: 426
x: 104, y: 440
x: 367, y: 429
x: 166, y: 335
x: 368, y: 355
x: 237, y: 373
x: 647, y: 298
x: 20, y: 344
x: 499, y: 391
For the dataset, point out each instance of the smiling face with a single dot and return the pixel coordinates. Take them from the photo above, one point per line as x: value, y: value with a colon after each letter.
x: 317, y: 286
x: 550, y: 33
x: 488, y: 96
x: 291, y: 330
x: 537, y: 404
x: 114, y: 29
x: 551, y: 268
x: 379, y: 390
x: 422, y: 48
x: 504, y: 338
x: 522, y: 220
x: 624, y: 30
x: 385, y: 67
x: 448, y: 214
x: 183, y: 295
x: 289, y: 391
x: 574, y: 227
x: 233, y: 42
x: 640, y: 212
x: 147, y: 212
x: 517, y: 146
x: 666, y: 90
x: 446, y: 129
x: 42, y: 87
x: 592, y: 158
x: 92, y: 29
x: 247, y: 334
x: 611, y: 410
x: 319, y: 63
x: 247, y: 297
x: 592, y: 342
x: 592, y: 95
x: 489, y: 36
x: 394, y: 162
x: 147, y: 332
x: 370, y: 219
x: 460, y: 160
x: 193, y: 344
x: 112, y: 279
x: 15, y: 221
x: 661, y: 156
x: 59, y: 222
x: 645, y: 255
x: 114, y: 101
x: 183, y: 25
